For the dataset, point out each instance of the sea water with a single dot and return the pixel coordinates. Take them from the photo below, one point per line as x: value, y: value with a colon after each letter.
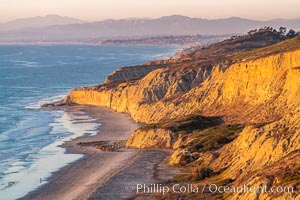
x: 31, y: 75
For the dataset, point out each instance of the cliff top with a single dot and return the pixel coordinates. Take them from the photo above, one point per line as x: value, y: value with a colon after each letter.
x: 283, y: 46
x: 238, y: 47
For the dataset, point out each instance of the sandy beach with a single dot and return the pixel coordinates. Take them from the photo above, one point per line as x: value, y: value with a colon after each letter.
x: 82, y: 178
x: 149, y: 168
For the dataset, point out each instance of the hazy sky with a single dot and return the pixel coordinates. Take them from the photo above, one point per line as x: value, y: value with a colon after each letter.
x: 99, y: 9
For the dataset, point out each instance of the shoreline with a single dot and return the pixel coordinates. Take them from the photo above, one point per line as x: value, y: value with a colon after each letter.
x: 80, y: 179
x: 64, y: 183
x: 90, y: 154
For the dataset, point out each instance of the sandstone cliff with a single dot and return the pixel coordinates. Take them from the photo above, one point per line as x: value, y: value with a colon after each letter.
x: 153, y: 138
x: 135, y: 72
x: 256, y: 91
x: 261, y: 88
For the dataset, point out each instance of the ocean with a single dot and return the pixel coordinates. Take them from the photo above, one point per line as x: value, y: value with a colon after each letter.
x: 31, y: 75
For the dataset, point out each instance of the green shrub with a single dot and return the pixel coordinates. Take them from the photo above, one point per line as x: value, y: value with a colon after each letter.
x: 213, y: 138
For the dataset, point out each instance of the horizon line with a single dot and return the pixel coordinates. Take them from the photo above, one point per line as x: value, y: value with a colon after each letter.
x: 146, y: 18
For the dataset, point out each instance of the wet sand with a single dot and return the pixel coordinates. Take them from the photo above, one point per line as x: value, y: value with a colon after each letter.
x: 81, y: 179
x: 149, y: 168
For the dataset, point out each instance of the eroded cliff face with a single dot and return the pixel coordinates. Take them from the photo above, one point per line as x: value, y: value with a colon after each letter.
x: 132, y: 96
x: 263, y: 94
x: 267, y: 155
x: 152, y: 138
x: 259, y: 90
x: 124, y: 74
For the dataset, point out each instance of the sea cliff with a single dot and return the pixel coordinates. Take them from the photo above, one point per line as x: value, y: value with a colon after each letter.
x: 235, y: 113
x: 236, y: 92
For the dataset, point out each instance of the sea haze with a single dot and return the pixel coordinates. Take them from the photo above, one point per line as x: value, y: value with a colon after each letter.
x: 33, y: 75
x: 130, y: 28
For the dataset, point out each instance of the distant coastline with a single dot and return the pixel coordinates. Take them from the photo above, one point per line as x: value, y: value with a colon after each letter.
x: 167, y: 40
x: 62, y: 29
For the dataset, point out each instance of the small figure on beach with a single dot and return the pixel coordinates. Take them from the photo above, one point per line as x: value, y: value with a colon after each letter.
x: 40, y: 180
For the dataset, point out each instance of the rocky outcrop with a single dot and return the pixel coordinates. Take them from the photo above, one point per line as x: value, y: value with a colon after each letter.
x: 152, y: 138
x: 266, y: 155
x: 124, y: 74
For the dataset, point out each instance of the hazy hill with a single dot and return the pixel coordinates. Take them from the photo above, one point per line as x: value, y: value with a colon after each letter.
x: 35, y: 22
x: 168, y: 25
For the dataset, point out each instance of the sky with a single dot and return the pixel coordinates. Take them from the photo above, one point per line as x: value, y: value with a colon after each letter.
x: 93, y: 10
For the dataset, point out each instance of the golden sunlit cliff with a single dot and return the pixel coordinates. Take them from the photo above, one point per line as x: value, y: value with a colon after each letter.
x: 233, y: 111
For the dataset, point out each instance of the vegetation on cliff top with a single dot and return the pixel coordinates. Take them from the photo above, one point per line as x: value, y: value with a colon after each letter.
x: 234, y: 48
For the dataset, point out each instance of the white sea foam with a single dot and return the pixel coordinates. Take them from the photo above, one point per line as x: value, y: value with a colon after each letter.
x: 26, y: 155
x: 37, y: 105
x: 20, y: 178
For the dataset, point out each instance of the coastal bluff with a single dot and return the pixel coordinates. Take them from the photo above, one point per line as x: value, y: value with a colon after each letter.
x: 234, y: 111
x: 162, y: 95
x: 123, y: 74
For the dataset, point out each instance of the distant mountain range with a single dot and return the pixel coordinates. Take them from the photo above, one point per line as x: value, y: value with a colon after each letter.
x: 36, y: 22
x: 54, y: 28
